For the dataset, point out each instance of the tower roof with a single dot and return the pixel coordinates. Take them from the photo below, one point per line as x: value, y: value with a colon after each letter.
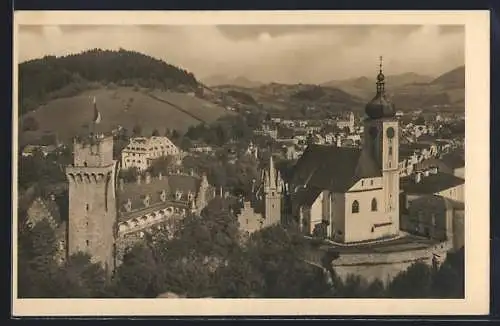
x: 380, y: 107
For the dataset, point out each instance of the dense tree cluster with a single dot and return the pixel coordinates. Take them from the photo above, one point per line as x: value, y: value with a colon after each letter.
x: 43, y: 170
x: 207, y: 256
x: 49, y: 77
x: 225, y: 129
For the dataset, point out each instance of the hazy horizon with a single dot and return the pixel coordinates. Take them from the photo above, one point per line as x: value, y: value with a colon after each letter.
x: 265, y: 53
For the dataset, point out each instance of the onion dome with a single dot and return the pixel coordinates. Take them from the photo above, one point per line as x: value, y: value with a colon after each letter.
x: 380, y: 107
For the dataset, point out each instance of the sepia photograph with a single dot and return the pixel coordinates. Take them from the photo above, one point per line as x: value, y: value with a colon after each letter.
x: 274, y: 159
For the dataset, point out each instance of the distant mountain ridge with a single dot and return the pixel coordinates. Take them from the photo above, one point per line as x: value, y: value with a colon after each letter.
x: 452, y: 79
x: 411, y: 90
x: 221, y: 80
x: 364, y: 86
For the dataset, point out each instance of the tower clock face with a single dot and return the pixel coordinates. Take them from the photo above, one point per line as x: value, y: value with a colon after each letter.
x: 373, y: 132
x: 390, y: 132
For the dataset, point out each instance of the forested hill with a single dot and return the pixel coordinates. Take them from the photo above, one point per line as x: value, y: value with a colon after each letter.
x: 50, y: 77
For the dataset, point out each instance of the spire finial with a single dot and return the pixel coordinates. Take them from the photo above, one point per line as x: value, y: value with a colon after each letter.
x: 380, y: 78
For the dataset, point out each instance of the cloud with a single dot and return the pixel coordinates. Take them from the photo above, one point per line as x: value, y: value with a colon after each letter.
x: 310, y: 54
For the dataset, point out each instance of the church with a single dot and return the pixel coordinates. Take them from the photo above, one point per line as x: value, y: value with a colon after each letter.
x: 351, y: 195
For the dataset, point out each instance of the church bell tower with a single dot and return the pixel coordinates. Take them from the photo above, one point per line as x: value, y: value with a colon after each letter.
x: 381, y: 141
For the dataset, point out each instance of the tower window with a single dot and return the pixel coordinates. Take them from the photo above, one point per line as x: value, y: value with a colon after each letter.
x: 362, y: 183
x: 87, y: 207
x: 374, y: 205
x: 272, y: 194
x: 371, y: 182
x: 355, y: 207
x: 390, y: 150
x: 88, y: 242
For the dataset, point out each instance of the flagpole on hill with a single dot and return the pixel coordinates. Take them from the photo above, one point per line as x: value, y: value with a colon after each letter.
x: 97, y: 117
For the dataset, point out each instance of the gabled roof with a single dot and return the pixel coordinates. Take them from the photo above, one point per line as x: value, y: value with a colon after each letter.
x: 171, y: 183
x: 439, y: 201
x: 333, y: 168
x: 454, y: 160
x: 431, y: 184
x: 306, y: 196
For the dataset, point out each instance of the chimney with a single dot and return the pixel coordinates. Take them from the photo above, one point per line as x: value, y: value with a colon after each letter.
x: 160, y: 176
x: 139, y: 177
x: 426, y: 173
x: 122, y: 184
x: 148, y: 178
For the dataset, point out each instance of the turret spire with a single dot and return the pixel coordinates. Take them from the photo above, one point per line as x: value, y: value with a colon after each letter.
x: 272, y: 177
x: 380, y: 79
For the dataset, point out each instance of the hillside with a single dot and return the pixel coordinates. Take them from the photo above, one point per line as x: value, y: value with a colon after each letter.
x: 124, y: 106
x: 51, y: 77
x: 276, y: 96
x: 452, y: 79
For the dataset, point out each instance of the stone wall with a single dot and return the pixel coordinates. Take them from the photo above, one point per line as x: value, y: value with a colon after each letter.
x: 385, y: 266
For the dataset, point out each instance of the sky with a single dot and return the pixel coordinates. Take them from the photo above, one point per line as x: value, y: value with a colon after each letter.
x: 265, y: 53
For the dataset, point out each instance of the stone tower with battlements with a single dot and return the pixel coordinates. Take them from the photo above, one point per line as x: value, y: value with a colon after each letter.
x: 92, y: 200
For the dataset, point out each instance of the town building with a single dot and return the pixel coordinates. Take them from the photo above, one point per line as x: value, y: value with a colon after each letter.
x: 142, y: 151
x: 159, y: 202
x: 107, y: 215
x: 347, y: 194
x: 432, y: 182
x: 436, y: 217
x: 347, y: 124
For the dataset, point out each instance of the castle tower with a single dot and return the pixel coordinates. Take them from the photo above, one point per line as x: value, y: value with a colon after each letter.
x: 381, y: 141
x: 92, y: 198
x: 273, y: 195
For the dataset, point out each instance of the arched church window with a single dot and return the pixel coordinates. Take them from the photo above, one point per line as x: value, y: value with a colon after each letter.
x: 374, y: 205
x: 355, y: 206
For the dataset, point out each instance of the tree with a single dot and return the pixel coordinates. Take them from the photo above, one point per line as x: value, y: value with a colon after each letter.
x: 82, y: 279
x: 161, y: 165
x: 129, y: 175
x: 30, y: 124
x: 415, y: 282
x: 137, y: 275
x: 137, y: 131
x: 175, y: 134
x: 37, y: 269
x: 449, y: 280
